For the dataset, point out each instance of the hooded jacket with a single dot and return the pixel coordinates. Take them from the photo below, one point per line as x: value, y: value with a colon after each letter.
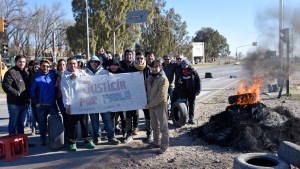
x: 157, y: 89
x: 98, y: 71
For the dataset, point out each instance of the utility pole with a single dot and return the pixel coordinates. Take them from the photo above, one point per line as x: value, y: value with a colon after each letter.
x: 87, y: 30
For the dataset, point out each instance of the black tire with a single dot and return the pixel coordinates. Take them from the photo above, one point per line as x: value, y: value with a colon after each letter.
x: 290, y: 153
x: 259, y: 161
x: 208, y: 75
x: 179, y: 114
x: 55, y: 132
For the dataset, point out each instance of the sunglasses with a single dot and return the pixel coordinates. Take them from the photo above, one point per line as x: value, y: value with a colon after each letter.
x: 94, y: 61
x: 139, y: 58
x: 167, y: 59
x: 178, y: 58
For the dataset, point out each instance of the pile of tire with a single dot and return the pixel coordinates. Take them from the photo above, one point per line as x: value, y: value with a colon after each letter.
x: 288, y: 153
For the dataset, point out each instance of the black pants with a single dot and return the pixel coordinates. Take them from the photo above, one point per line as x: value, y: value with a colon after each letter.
x: 122, y: 117
x: 132, y: 120
x: 73, y: 121
x: 190, y: 102
x: 147, y: 121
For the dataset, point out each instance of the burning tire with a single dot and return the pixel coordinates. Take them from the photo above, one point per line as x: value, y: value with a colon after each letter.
x: 55, y: 132
x: 240, y: 98
x: 179, y: 114
x: 258, y: 161
x: 290, y: 153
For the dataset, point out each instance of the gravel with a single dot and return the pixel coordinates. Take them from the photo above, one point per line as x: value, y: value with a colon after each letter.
x: 187, y: 151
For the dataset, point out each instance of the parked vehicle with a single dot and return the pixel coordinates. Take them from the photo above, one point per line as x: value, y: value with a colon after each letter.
x: 3, y: 71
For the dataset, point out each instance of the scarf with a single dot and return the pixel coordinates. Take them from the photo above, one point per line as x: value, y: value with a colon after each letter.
x: 139, y: 67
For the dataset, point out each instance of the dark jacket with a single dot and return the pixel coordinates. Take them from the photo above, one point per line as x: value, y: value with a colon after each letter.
x: 170, y: 70
x: 16, y: 86
x: 189, y: 83
x: 124, y: 64
x: 43, y: 89
x: 146, y: 70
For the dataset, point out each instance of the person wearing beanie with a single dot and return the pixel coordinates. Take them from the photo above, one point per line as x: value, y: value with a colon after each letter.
x: 132, y: 117
x: 188, y: 86
x: 115, y: 69
x: 157, y: 95
x: 94, y: 67
x: 43, y: 95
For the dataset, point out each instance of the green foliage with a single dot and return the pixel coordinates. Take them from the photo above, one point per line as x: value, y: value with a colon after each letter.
x: 215, y: 43
x: 165, y: 33
x: 104, y: 17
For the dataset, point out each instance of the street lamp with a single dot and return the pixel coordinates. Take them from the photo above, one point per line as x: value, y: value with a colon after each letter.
x: 252, y: 44
x: 87, y: 30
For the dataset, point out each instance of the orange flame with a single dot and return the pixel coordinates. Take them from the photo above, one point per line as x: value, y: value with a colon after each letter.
x: 253, y: 91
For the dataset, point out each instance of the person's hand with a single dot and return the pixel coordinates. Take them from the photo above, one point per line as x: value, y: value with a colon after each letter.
x: 147, y: 107
x: 37, y: 105
x: 102, y: 50
x: 68, y: 111
x: 73, y: 76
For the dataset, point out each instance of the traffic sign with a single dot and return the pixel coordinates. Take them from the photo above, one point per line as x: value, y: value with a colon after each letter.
x: 136, y: 16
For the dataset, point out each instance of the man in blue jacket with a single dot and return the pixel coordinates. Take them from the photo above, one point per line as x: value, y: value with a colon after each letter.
x: 43, y: 96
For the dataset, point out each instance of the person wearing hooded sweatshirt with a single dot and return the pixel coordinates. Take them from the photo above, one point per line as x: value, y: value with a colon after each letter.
x: 93, y: 68
x: 157, y: 94
x: 67, y: 89
x: 43, y: 94
x: 132, y: 116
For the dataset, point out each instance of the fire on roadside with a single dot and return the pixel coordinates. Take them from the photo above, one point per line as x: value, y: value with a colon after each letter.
x: 248, y: 95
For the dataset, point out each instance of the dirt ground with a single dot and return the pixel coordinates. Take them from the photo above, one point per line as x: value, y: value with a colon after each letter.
x: 186, y: 151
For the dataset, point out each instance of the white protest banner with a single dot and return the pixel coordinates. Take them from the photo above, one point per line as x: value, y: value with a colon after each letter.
x: 109, y: 93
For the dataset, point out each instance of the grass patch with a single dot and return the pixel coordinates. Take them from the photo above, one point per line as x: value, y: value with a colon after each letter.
x: 294, y: 96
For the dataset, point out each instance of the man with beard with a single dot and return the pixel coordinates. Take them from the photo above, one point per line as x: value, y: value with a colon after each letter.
x: 43, y: 94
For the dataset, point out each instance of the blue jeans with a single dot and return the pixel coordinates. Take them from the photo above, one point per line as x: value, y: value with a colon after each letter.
x: 17, y: 115
x: 42, y: 112
x: 107, y: 121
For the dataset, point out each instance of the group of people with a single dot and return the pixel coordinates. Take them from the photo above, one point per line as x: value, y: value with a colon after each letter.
x: 49, y: 90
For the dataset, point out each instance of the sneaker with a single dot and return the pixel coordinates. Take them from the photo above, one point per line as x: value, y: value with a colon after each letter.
x: 113, y: 141
x: 191, y: 121
x: 97, y: 140
x: 152, y: 146
x: 162, y: 150
x: 135, y: 131
x: 33, y: 131
x: 90, y: 145
x: 128, y: 139
x: 73, y: 147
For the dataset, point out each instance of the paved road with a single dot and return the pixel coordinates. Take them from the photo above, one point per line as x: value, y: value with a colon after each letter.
x: 42, y: 157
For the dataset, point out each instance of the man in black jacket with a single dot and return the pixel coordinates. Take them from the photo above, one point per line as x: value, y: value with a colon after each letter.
x: 16, y: 86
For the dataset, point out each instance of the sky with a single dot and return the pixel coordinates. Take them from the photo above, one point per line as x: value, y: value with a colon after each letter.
x: 241, y: 22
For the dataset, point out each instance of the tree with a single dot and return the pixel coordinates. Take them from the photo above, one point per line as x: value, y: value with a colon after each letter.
x: 165, y: 33
x: 215, y: 43
x: 104, y: 17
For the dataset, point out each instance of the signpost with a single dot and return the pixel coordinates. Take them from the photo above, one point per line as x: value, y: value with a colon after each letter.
x: 198, y: 52
x: 131, y: 18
